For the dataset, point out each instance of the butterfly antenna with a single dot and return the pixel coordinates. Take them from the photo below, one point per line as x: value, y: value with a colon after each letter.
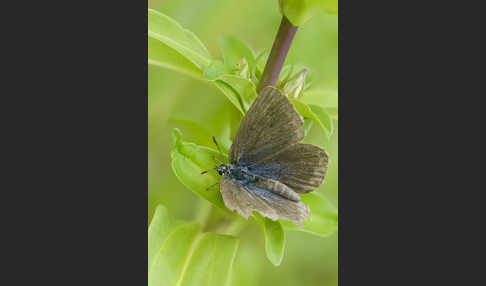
x: 204, y: 172
x: 217, y: 160
x: 217, y: 146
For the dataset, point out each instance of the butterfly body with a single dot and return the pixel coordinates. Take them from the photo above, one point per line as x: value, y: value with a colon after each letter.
x: 238, y: 173
x: 268, y: 166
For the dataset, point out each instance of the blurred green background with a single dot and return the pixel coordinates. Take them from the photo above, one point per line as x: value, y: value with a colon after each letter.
x: 308, y: 260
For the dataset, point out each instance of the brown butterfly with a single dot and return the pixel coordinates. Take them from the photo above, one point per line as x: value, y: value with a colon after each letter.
x: 268, y: 166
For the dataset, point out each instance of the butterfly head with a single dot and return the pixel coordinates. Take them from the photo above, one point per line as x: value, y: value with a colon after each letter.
x: 223, y: 169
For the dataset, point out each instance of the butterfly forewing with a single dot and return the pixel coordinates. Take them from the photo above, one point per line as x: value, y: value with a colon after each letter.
x: 270, y: 125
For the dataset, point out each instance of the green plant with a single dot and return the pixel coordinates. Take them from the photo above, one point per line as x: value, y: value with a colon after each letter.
x: 237, y: 76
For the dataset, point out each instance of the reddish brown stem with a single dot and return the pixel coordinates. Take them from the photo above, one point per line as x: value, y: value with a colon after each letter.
x: 280, y: 48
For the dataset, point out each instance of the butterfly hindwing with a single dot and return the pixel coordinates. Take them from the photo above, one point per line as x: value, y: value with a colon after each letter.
x: 249, y: 198
x: 276, y: 187
x: 302, y: 167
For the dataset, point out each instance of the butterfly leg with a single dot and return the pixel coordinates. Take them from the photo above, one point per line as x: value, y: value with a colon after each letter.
x: 212, y: 186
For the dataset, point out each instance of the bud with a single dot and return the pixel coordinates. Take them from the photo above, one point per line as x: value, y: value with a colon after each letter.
x: 243, y: 69
x: 294, y: 87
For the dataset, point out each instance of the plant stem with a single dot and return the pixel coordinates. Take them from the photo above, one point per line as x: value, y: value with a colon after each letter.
x: 280, y: 48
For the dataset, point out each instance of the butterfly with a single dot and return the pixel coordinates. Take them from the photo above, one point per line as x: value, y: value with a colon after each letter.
x: 268, y: 167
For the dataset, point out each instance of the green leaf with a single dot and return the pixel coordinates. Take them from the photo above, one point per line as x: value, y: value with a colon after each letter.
x: 324, y: 96
x: 215, y: 69
x: 245, y: 88
x: 169, y: 33
x: 180, y: 255
x: 188, y: 161
x: 274, y: 241
x: 307, y: 125
x: 323, y: 116
x: 332, y: 111
x: 212, y: 261
x: 261, y: 61
x: 227, y: 123
x: 323, y: 220
x: 162, y: 55
x: 156, y: 230
x: 285, y: 73
x: 233, y: 49
x: 299, y: 11
x: 239, y: 91
x: 170, y: 257
x: 231, y: 94
x: 274, y: 236
x: 200, y: 134
x: 318, y: 115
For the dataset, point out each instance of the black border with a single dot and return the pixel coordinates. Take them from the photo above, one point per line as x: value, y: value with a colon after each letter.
x: 75, y: 172
x: 408, y: 125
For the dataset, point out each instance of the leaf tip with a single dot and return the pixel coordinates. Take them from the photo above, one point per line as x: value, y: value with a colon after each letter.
x: 176, y: 136
x: 160, y: 209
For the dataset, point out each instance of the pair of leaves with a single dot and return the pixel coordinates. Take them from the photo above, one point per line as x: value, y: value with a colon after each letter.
x: 179, y: 254
x: 226, y: 76
x: 299, y: 11
x: 173, y: 47
x: 239, y: 91
x: 189, y: 160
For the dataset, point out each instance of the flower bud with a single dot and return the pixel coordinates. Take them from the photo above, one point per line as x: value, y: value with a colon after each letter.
x: 294, y: 86
x: 243, y: 69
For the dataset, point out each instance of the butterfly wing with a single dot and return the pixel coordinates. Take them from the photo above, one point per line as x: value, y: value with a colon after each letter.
x: 302, y: 167
x: 270, y: 125
x: 248, y: 198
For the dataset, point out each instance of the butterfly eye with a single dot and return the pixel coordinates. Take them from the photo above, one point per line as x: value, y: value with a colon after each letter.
x: 220, y: 173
